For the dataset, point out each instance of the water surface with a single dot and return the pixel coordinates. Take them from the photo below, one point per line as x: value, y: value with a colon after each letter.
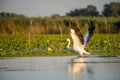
x: 60, y: 68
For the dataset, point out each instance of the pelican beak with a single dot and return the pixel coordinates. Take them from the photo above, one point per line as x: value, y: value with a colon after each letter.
x: 64, y: 40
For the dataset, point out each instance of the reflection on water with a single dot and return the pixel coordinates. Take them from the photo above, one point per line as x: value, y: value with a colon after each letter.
x: 76, y: 67
x: 60, y: 68
x: 94, y: 68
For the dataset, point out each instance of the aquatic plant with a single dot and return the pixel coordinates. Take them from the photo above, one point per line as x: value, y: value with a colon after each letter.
x: 51, y: 45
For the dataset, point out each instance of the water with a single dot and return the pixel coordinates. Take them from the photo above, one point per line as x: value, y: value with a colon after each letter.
x: 60, y: 68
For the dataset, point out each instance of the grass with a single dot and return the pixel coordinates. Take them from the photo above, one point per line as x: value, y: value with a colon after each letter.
x: 52, y: 45
x: 50, y: 25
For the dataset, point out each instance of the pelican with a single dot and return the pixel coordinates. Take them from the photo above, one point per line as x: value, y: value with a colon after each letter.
x: 79, y: 42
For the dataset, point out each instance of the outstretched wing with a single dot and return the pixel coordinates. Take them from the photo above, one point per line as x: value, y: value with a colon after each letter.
x: 89, y: 33
x: 78, y: 39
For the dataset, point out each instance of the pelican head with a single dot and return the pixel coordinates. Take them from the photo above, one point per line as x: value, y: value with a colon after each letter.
x: 68, y: 40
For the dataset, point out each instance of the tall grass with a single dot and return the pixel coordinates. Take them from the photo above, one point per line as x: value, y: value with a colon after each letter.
x: 59, y: 25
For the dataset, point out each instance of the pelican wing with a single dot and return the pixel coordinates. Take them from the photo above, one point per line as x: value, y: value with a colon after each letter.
x: 77, y: 37
x: 89, y: 33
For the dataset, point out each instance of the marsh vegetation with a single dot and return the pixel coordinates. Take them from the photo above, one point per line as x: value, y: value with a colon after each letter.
x: 41, y: 36
x: 51, y: 45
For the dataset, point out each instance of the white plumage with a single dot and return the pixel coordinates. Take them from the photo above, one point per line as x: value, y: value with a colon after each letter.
x: 79, y: 42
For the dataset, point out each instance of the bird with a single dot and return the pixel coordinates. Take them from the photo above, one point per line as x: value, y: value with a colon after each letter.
x: 80, y: 41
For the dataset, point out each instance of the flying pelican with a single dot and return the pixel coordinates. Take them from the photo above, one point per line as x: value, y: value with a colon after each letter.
x: 79, y: 42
